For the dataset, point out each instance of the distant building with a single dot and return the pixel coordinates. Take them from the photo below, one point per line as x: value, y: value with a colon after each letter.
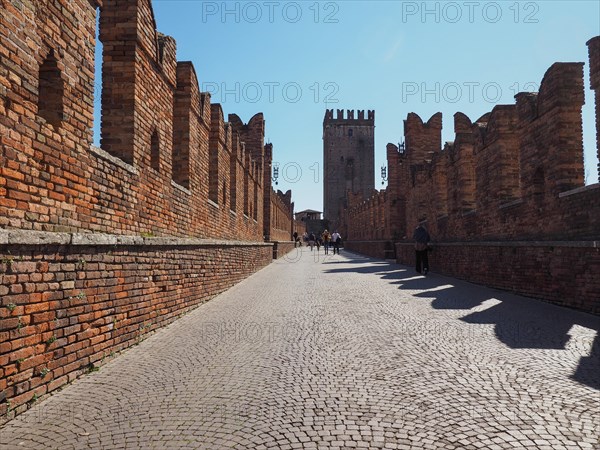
x: 312, y: 220
x: 348, y: 158
x: 308, y: 214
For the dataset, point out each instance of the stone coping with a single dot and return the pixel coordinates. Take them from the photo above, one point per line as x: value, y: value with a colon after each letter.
x: 113, y: 159
x: 579, y: 243
x: 180, y: 188
x: 29, y: 237
x: 590, y: 187
x: 582, y: 243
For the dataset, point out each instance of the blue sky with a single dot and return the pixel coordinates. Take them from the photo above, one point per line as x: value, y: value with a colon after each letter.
x: 292, y: 60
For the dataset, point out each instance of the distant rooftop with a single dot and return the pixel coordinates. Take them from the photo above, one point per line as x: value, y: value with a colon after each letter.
x: 309, y: 211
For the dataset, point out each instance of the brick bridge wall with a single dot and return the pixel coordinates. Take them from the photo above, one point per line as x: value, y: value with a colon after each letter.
x: 564, y: 273
x: 514, y: 174
x: 282, y: 228
x: 71, y: 300
x: 98, y: 246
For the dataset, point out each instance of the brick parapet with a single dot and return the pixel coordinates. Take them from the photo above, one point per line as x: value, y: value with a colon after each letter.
x: 282, y: 249
x: 68, y: 301
x: 502, y: 175
x: 563, y: 273
x: 280, y: 216
x: 382, y: 249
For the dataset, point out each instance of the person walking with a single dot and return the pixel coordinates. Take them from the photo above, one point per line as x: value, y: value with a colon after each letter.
x: 326, y: 239
x: 311, y: 240
x: 336, y: 238
x: 421, y: 238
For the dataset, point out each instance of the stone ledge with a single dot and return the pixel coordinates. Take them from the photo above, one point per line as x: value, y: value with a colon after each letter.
x: 130, y: 240
x: 15, y: 237
x: 113, y: 159
x: 181, y: 188
x: 578, y: 190
x: 28, y: 237
x: 580, y: 244
x: 512, y: 203
x: 93, y: 239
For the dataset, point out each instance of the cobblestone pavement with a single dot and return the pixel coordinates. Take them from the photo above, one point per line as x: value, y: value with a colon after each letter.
x: 342, y: 352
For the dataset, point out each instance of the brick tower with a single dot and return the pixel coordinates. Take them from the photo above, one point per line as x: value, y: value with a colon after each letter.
x: 348, y: 158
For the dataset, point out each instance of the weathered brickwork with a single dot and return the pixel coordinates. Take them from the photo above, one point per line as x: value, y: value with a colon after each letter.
x: 281, y: 207
x: 565, y: 273
x: 160, y: 136
x: 594, y: 53
x: 368, y: 219
x: 278, y: 207
x: 514, y: 174
x: 375, y: 249
x: 299, y: 227
x: 98, y: 246
x: 283, y: 248
x: 69, y: 303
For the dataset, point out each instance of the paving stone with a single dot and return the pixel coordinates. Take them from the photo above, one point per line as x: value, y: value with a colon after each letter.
x: 342, y: 352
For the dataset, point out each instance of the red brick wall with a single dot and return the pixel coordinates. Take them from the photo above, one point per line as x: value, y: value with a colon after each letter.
x: 40, y: 179
x: 515, y: 173
x: 594, y: 54
x: 564, y: 273
x: 376, y: 249
x: 280, y: 216
x: 68, y: 302
x: 53, y: 181
x: 367, y: 219
x: 502, y: 176
x: 282, y: 248
x: 299, y: 227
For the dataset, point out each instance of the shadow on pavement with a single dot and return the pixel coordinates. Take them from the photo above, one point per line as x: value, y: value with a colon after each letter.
x: 519, y: 322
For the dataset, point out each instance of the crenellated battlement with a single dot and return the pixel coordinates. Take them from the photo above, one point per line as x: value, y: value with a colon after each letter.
x: 422, y: 139
x: 169, y: 162
x: 347, y: 117
x: 251, y: 133
x: 514, y: 172
x: 508, y: 179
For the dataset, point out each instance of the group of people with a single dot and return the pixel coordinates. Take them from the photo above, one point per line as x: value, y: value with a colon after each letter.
x: 324, y: 239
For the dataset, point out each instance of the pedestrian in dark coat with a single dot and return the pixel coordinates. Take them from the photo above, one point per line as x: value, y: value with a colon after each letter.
x: 421, y: 238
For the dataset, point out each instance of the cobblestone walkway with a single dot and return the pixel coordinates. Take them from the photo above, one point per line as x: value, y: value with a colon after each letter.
x: 342, y: 352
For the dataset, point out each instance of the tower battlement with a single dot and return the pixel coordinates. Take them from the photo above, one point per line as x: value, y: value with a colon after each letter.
x: 348, y: 159
x: 347, y: 117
